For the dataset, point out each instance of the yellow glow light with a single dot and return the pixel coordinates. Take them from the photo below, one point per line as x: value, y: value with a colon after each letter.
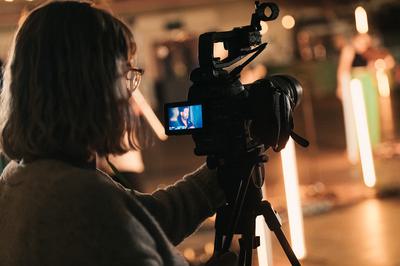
x: 387, y: 117
x: 383, y: 83
x: 288, y: 22
x: 289, y: 167
x: 382, y: 78
x: 189, y: 254
x: 361, y: 19
x: 349, y: 123
x: 219, y: 50
x: 150, y: 115
x: 380, y: 64
x: 264, y: 27
x: 372, y: 218
x: 9, y: 0
x: 162, y: 52
x: 209, y: 248
x: 364, y: 143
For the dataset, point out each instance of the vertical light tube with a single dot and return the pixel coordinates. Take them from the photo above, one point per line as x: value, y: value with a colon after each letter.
x: 382, y: 78
x: 384, y: 99
x: 349, y: 123
x: 289, y: 167
x: 264, y: 251
x: 364, y: 142
x: 383, y: 83
x: 361, y: 20
x: 149, y: 115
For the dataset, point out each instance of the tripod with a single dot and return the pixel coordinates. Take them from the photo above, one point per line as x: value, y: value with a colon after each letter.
x: 244, y: 204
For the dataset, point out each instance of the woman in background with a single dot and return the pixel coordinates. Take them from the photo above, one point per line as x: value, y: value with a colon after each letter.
x: 354, y: 64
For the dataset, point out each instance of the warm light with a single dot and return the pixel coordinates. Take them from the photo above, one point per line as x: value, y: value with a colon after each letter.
x: 349, y: 124
x: 361, y: 20
x: 320, y: 51
x: 387, y: 120
x: 9, y: 0
x: 383, y: 83
x: 189, y: 254
x: 162, y: 52
x: 380, y: 64
x: 219, y: 50
x: 209, y: 248
x: 382, y: 78
x: 288, y: 22
x: 289, y: 167
x: 364, y: 143
x: 264, y: 251
x: 264, y: 27
x: 372, y: 220
x: 150, y: 115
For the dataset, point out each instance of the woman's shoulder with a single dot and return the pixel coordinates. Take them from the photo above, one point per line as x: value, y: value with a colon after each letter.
x: 79, y: 209
x: 61, y: 189
x: 58, y: 177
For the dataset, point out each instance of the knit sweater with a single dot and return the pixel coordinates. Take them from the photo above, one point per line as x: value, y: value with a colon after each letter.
x: 55, y: 214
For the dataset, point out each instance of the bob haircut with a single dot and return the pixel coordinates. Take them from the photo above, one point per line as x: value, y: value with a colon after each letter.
x: 61, y: 95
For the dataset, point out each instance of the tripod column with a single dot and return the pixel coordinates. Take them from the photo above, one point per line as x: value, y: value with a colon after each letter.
x: 289, y: 166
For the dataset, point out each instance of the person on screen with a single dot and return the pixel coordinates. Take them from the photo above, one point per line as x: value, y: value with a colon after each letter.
x: 65, y: 102
x: 173, y: 118
x: 184, y: 120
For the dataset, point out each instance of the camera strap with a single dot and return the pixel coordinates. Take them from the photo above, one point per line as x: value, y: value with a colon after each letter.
x: 118, y: 175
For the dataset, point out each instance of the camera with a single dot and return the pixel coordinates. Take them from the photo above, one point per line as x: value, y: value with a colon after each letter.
x: 225, y: 117
x: 233, y: 124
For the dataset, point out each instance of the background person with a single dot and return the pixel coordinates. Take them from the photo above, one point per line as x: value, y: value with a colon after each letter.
x: 354, y: 63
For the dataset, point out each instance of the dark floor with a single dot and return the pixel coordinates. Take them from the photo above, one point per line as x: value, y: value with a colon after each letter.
x: 366, y: 233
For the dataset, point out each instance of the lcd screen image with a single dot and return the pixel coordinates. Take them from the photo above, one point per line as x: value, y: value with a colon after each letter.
x: 185, y: 117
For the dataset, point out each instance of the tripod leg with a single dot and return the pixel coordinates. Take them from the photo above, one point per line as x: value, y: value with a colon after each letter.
x: 218, y: 242
x: 275, y: 226
x: 249, y: 252
x: 236, y: 212
x: 246, y: 251
x: 242, y: 253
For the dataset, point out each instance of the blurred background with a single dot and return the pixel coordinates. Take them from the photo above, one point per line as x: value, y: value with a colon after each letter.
x: 346, y: 184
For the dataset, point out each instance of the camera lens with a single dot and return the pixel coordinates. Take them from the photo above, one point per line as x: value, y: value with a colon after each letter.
x: 271, y: 103
x: 290, y: 86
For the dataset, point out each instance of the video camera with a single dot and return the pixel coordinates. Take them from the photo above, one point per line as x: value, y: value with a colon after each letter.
x: 234, y: 124
x: 225, y: 117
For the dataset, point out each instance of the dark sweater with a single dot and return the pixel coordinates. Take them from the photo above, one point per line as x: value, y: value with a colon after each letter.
x: 54, y: 214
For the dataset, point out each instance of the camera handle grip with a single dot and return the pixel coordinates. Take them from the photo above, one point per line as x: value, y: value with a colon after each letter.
x: 299, y: 139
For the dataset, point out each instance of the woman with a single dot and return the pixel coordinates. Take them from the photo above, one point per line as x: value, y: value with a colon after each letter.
x: 65, y: 101
x: 354, y: 64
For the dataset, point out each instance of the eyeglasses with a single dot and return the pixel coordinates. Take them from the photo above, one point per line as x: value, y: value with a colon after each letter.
x: 133, y: 77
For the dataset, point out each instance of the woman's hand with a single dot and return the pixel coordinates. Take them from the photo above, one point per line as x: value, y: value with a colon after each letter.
x: 226, y: 259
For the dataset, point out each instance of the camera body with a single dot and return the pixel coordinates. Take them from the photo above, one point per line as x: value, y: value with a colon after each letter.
x: 225, y: 117
x: 217, y: 113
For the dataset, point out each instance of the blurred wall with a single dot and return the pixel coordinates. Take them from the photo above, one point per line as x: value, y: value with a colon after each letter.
x: 6, y: 36
x: 150, y: 28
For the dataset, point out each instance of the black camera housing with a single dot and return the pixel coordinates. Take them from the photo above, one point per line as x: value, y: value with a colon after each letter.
x: 237, y: 117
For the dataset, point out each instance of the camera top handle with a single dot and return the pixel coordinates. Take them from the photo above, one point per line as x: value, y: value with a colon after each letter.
x: 239, y: 41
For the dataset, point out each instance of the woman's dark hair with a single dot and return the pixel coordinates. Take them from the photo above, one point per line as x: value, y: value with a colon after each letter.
x: 62, y: 95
